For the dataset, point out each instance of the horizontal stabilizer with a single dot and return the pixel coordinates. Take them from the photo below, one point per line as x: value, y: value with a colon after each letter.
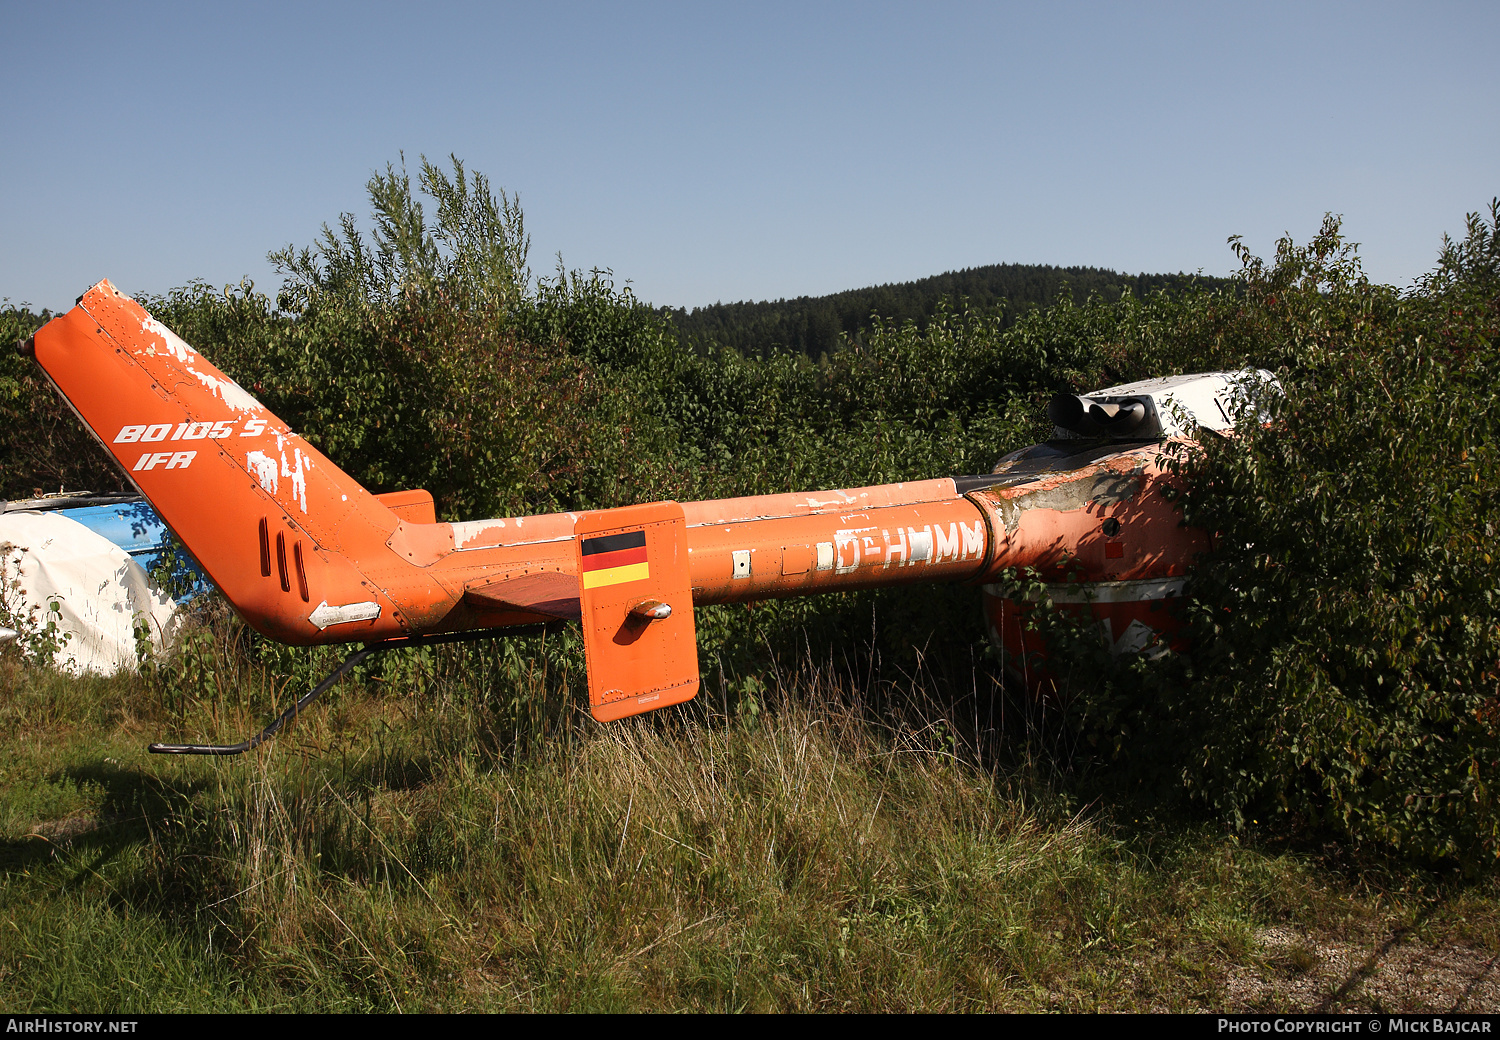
x: 549, y: 593
x: 415, y: 507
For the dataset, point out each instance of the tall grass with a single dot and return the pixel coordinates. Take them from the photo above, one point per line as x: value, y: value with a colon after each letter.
x: 456, y: 833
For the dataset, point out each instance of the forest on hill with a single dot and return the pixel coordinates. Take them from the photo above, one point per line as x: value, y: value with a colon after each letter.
x: 813, y: 325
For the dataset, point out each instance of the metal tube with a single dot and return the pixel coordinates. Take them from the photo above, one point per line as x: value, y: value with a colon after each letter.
x: 833, y: 547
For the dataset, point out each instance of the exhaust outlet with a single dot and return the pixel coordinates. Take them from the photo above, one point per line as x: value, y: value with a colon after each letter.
x: 1089, y: 417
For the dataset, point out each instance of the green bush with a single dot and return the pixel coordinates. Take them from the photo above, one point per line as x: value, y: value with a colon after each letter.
x: 1346, y: 656
x: 43, y: 447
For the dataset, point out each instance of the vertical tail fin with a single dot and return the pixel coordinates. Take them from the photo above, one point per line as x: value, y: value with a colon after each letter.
x: 636, y: 597
x: 277, y: 526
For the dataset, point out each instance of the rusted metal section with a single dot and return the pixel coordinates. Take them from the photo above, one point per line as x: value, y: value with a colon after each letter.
x: 1094, y: 491
x: 1108, y: 521
x: 1106, y: 541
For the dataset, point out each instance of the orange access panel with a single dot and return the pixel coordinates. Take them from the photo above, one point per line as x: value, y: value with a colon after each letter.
x: 637, y: 599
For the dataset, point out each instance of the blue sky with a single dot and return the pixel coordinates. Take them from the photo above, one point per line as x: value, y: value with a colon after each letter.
x: 720, y: 152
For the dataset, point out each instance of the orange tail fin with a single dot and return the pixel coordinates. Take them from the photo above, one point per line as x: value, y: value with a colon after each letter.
x: 277, y: 526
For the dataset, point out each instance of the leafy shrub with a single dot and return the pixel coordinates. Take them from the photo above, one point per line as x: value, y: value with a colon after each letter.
x: 43, y: 447
x: 37, y: 636
x: 1347, y: 653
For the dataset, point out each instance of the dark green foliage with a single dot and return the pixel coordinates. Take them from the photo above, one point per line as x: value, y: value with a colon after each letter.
x: 816, y: 325
x: 1346, y: 657
x: 43, y: 448
x: 411, y: 394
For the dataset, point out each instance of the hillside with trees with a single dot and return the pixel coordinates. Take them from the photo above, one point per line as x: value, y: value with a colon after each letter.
x: 815, y: 325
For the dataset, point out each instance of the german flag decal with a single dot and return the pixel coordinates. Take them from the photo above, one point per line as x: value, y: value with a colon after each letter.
x: 614, y: 559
